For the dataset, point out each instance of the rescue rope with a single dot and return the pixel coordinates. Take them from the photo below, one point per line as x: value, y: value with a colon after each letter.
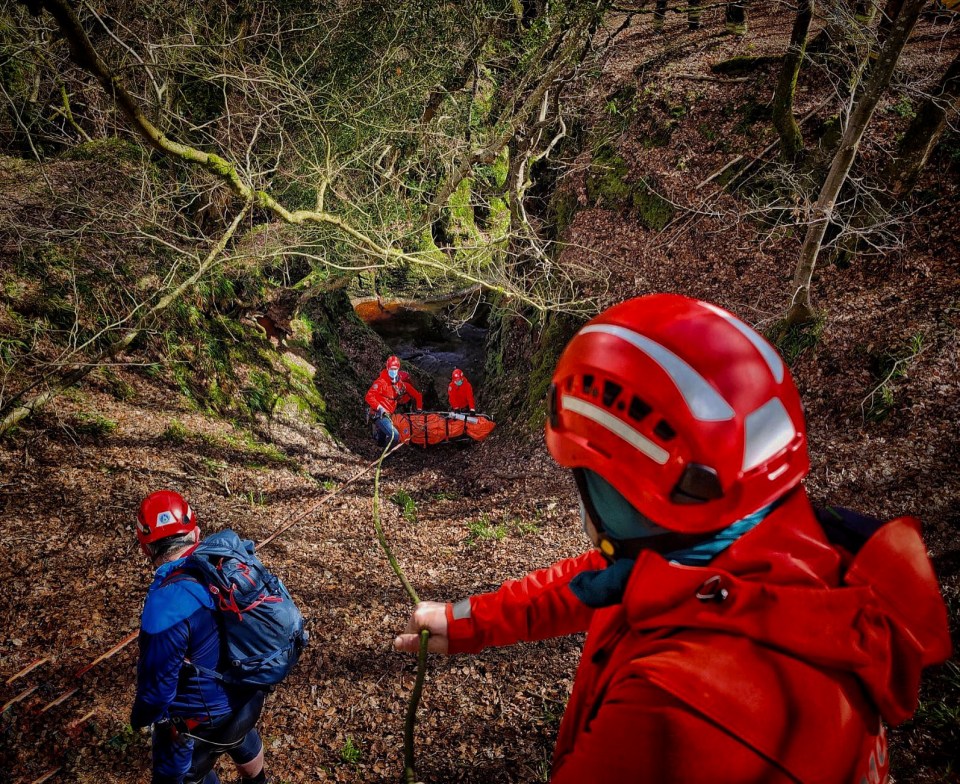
x: 285, y: 526
x: 409, y: 757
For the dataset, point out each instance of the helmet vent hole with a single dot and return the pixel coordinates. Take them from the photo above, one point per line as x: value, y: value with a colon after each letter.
x: 663, y: 431
x: 610, y: 392
x: 638, y: 409
x: 587, y: 384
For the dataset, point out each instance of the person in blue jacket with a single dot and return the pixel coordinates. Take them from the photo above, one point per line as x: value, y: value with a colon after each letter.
x: 195, y: 717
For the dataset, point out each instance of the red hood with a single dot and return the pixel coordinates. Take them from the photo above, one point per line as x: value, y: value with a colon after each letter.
x: 881, y: 618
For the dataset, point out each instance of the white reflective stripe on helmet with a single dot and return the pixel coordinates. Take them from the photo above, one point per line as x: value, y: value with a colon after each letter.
x: 768, y: 352
x: 704, y: 402
x: 765, y: 432
x: 616, y: 426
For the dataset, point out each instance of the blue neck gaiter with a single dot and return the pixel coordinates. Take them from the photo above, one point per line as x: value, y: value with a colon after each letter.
x: 604, y: 587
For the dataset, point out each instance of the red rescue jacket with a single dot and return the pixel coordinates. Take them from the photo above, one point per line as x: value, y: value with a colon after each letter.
x: 387, y: 393
x: 461, y: 396
x: 784, y: 680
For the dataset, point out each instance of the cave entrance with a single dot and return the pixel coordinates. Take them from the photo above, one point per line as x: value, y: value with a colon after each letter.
x: 435, y: 336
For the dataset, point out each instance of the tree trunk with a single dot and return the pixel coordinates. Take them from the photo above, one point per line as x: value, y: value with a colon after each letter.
x: 864, y: 11
x: 791, y: 143
x: 659, y: 15
x: 801, y: 308
x: 924, y: 133
x: 735, y: 17
x: 694, y: 14
x: 890, y: 12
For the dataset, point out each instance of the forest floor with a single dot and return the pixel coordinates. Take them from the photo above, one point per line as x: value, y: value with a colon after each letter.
x: 881, y: 390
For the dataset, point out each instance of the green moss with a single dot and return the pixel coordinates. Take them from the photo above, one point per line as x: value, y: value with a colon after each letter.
x: 301, y: 393
x: 176, y: 432
x: 482, y: 104
x: 119, y: 387
x: 259, y: 393
x: 557, y: 331
x: 562, y: 209
x: 654, y: 212
x: 108, y: 150
x: 831, y: 132
x: 498, y: 221
x: 94, y: 425
x: 607, y: 187
x: 428, y: 248
x: 495, y: 174
x: 606, y: 183
x: 792, y: 341
x: 462, y: 224
x: 744, y: 64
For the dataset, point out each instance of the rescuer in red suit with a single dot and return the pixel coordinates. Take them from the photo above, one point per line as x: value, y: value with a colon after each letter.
x: 460, y: 392
x: 734, y: 633
x: 389, y: 390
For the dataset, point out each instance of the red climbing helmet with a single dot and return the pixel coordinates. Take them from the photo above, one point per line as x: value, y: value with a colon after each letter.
x: 457, y: 375
x: 393, y: 363
x: 687, y: 411
x: 162, y: 514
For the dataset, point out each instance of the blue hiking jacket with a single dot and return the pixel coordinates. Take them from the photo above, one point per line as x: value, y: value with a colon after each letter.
x: 177, y: 624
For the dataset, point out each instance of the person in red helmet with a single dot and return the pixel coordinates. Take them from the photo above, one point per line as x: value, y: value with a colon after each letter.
x: 734, y: 633
x: 390, y: 389
x: 460, y: 392
x: 195, y: 716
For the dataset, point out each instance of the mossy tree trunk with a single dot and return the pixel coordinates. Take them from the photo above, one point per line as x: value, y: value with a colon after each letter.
x: 735, y: 17
x: 864, y: 11
x: 659, y: 15
x: 791, y: 142
x: 801, y: 308
x: 924, y: 133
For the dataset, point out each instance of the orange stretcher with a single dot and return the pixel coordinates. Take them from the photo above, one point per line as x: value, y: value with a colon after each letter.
x: 426, y: 428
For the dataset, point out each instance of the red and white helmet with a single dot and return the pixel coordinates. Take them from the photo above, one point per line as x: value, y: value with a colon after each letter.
x: 457, y: 375
x: 393, y: 363
x: 687, y: 411
x: 162, y: 514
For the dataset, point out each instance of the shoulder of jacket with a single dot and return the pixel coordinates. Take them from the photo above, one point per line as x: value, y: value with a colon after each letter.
x: 170, y: 603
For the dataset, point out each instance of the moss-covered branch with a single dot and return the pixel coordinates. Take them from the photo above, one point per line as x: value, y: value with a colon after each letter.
x: 87, y: 58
